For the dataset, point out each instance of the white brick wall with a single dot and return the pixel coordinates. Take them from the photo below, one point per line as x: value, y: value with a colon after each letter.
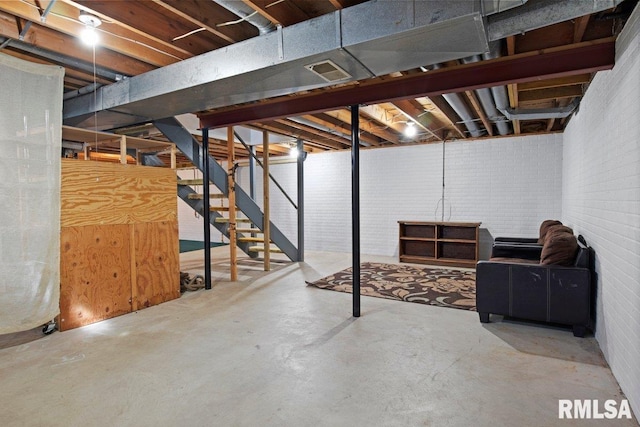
x: 508, y: 184
x: 601, y: 200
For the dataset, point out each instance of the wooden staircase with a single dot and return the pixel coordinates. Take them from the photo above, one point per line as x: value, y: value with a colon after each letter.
x: 242, y: 240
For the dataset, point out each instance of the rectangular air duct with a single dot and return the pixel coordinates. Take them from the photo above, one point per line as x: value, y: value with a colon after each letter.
x: 363, y: 41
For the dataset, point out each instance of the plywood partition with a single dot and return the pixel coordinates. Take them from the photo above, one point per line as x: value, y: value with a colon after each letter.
x: 95, y: 274
x: 119, y: 240
x: 156, y: 263
x: 106, y: 193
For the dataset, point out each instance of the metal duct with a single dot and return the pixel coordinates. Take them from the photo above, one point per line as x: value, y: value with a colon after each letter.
x: 501, y: 99
x: 369, y: 39
x: 543, y: 113
x: 541, y: 13
x: 327, y: 129
x: 462, y: 110
x: 63, y: 59
x: 489, y: 7
x: 248, y: 14
x: 87, y: 89
x: 500, y: 96
x: 488, y: 103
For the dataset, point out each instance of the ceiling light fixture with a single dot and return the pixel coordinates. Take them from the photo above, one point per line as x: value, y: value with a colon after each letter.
x: 410, y: 131
x: 89, y: 35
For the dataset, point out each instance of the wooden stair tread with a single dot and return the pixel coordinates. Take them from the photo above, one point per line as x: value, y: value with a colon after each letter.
x: 219, y: 208
x: 190, y: 181
x: 221, y: 220
x: 251, y: 239
x: 194, y: 196
x: 261, y: 249
x: 249, y: 230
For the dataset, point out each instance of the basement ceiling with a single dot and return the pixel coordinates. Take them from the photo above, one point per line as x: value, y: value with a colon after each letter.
x: 137, y: 37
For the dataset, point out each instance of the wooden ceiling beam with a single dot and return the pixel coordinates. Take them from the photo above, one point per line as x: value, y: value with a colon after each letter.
x: 475, y: 104
x: 366, y: 126
x: 379, y: 113
x: 342, y: 142
x: 341, y: 4
x: 147, y: 17
x: 550, y: 83
x: 512, y: 89
x: 283, y: 13
x: 325, y: 145
x: 71, y: 46
x: 200, y: 13
x: 414, y: 111
x: 339, y: 125
x: 293, y: 132
x: 550, y: 93
x: 75, y: 74
x: 579, y: 28
x: 69, y: 8
x: 72, y: 27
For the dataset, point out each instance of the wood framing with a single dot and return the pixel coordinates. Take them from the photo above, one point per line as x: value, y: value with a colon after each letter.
x: 233, y: 250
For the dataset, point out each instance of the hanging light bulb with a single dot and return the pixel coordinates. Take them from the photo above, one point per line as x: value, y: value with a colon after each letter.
x: 293, y: 152
x: 89, y: 35
x: 410, y: 131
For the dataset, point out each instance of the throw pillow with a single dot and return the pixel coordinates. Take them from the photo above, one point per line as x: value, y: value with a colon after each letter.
x: 544, y: 227
x: 559, y: 248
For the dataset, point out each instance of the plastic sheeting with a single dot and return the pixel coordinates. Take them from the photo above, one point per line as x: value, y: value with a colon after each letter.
x: 30, y: 145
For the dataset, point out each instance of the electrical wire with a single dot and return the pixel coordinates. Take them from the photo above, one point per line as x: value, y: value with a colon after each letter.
x: 108, y: 21
x: 224, y: 24
x: 188, y: 34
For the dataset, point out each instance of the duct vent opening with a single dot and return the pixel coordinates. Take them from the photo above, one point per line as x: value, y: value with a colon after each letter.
x: 328, y: 71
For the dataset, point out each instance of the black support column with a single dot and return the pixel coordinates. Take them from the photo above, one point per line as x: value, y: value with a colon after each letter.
x: 355, y: 205
x: 206, y: 199
x: 301, y: 158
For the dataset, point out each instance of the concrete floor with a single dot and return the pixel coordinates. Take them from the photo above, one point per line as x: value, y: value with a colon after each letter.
x: 270, y: 351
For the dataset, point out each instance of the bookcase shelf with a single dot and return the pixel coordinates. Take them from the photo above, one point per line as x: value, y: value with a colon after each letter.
x: 439, y: 243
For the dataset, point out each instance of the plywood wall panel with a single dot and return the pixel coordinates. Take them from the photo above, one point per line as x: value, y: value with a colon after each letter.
x: 157, y: 263
x: 105, y: 193
x: 95, y: 274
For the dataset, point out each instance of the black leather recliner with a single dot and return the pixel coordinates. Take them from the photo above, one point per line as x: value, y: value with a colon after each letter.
x: 518, y: 286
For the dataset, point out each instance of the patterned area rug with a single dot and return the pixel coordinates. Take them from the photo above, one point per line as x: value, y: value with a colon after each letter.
x: 433, y: 286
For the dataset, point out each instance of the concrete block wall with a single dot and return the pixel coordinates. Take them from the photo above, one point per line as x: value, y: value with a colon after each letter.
x: 601, y: 200
x: 509, y: 184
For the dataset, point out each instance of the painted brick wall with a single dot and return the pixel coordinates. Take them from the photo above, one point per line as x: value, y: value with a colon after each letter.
x: 601, y: 200
x: 508, y: 184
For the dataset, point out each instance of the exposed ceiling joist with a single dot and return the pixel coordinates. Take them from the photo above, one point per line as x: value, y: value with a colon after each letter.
x: 413, y: 111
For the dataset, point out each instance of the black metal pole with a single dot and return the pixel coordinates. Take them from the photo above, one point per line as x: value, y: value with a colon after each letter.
x: 301, y: 156
x: 252, y: 177
x: 252, y: 172
x: 204, y: 157
x: 355, y: 205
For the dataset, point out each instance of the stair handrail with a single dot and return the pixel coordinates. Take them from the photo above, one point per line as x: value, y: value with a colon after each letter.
x: 252, y: 154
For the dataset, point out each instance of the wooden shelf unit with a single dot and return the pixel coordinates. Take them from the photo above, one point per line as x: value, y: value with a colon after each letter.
x: 439, y: 243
